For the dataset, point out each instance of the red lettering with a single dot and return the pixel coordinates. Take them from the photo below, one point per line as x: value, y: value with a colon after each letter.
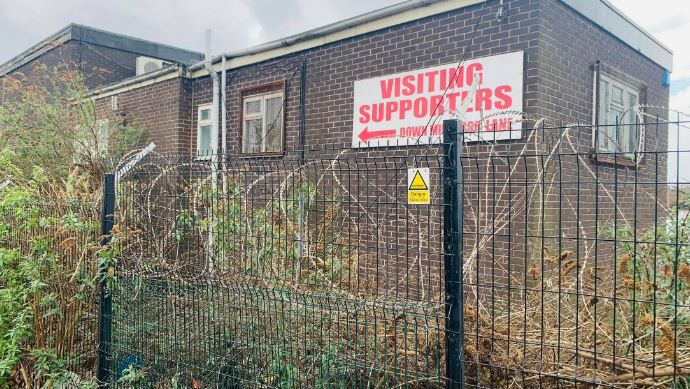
x: 421, y: 107
x: 444, y: 78
x: 456, y: 77
x: 364, y: 114
x: 408, y: 85
x: 405, y: 106
x: 431, y: 76
x: 453, y: 101
x: 482, y: 100
x: 391, y: 106
x: 475, y: 70
x: 386, y: 88
x: 436, y: 105
x: 505, y: 101
x: 377, y: 113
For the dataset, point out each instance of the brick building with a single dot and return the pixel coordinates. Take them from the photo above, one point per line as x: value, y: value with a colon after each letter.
x: 543, y: 62
x: 542, y: 187
x: 102, y: 57
x: 569, y: 46
x: 518, y: 63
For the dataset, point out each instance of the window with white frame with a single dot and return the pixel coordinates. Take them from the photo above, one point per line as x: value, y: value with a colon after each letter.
x: 262, y: 123
x: 204, y: 130
x: 620, y: 131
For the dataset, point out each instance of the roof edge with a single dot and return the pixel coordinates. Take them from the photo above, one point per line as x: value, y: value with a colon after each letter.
x: 63, y: 35
x: 599, y: 12
x: 165, y: 73
x: 74, y: 31
x: 605, y: 15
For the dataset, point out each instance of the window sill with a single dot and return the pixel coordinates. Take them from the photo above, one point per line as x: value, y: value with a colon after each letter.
x: 620, y: 160
x: 277, y: 154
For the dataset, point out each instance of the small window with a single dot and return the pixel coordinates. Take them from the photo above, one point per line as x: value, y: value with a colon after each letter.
x: 262, y: 123
x: 620, y: 131
x: 204, y: 131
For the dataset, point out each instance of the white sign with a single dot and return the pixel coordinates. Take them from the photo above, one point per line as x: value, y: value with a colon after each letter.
x: 418, y: 186
x: 409, y: 108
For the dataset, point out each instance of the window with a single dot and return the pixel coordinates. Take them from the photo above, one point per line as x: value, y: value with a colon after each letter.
x: 204, y: 131
x: 262, y: 123
x: 620, y: 132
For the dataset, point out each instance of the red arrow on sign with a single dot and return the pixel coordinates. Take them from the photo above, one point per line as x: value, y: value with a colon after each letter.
x: 366, y: 135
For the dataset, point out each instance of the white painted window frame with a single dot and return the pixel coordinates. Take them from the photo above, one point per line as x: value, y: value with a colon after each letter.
x: 602, y: 118
x: 201, y: 123
x: 262, y: 98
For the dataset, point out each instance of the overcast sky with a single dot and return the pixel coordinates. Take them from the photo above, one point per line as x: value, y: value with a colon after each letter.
x: 240, y: 23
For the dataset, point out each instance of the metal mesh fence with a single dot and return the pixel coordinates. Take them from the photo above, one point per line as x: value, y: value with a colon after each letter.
x: 306, y: 271
x: 312, y: 270
x: 59, y: 237
x: 576, y: 259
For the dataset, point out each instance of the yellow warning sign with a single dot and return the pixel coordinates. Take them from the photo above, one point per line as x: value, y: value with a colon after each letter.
x: 418, y: 182
x: 418, y: 186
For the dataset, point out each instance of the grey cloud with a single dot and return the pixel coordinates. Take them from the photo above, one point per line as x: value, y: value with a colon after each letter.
x: 235, y: 23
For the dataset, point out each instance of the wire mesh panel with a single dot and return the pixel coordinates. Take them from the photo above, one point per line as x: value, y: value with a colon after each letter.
x: 304, y: 271
x: 576, y: 265
x: 312, y: 270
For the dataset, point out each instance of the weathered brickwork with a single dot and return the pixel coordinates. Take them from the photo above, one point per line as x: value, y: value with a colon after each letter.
x: 162, y: 109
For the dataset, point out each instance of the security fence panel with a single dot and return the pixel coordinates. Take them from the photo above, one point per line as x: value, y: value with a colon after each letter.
x: 576, y: 258
x: 553, y: 260
x: 309, y: 270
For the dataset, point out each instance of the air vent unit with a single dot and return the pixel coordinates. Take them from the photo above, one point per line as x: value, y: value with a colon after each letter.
x: 148, y: 64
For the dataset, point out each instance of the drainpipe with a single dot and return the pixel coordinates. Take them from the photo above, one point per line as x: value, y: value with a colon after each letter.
x: 224, y: 124
x: 214, y: 110
x: 214, y: 140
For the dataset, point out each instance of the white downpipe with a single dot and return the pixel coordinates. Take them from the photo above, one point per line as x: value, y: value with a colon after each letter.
x: 214, y: 142
x: 224, y: 124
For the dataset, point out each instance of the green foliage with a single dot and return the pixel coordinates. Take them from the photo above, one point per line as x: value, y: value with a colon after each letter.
x: 132, y: 376
x: 18, y: 281
x: 653, y: 287
x: 47, y: 123
x: 44, y: 291
x: 54, y: 149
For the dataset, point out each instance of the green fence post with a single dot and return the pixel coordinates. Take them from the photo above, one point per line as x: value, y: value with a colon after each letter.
x: 105, y: 301
x: 453, y: 253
